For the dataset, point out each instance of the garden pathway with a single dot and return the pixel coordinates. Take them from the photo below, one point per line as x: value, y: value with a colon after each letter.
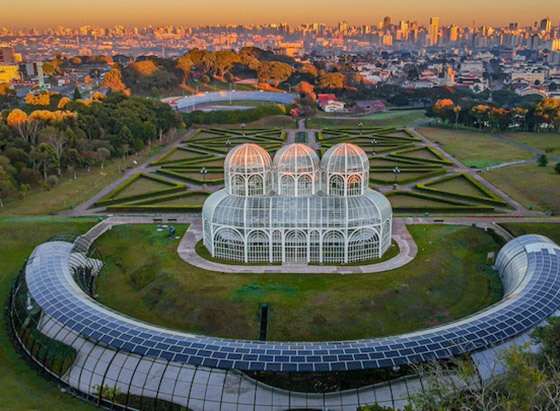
x: 475, y: 173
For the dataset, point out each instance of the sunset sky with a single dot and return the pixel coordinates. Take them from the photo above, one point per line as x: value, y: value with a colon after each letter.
x: 41, y: 13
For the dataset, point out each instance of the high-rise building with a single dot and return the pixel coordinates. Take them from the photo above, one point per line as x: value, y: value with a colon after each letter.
x: 386, y: 21
x: 546, y: 25
x: 433, y: 33
x: 453, y: 33
x: 6, y: 54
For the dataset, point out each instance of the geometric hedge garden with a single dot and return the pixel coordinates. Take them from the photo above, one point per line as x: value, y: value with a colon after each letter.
x: 427, y: 181
x: 174, y: 182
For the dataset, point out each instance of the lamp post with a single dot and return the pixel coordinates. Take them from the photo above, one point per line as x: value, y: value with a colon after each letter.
x: 203, y: 171
x: 243, y: 128
x: 361, y: 126
x: 373, y: 143
x: 396, y: 171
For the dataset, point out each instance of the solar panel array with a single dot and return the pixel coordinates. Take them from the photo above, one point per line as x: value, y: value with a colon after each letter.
x: 536, y: 297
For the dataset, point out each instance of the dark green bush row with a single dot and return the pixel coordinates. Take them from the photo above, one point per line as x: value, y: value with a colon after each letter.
x: 405, y: 180
x: 217, y: 181
x: 109, y: 198
x: 492, y: 198
x: 155, y: 208
x: 160, y: 199
x: 454, y: 205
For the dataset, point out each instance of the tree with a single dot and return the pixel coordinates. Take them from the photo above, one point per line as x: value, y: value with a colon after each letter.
x: 520, y: 114
x: 103, y: 155
x: 306, y: 89
x: 548, y: 112
x: 443, y: 109
x: 224, y: 61
x: 44, y: 157
x: 126, y: 136
x: 185, y: 64
x: 41, y: 99
x: 8, y: 97
x: 77, y: 95
x: 274, y: 71
x: 331, y: 81
x: 7, y: 188
x: 543, y: 160
x: 457, y: 111
x: 63, y: 103
x: 557, y: 168
x: 113, y: 80
x: 58, y: 141
x: 25, y: 127
x: 480, y: 113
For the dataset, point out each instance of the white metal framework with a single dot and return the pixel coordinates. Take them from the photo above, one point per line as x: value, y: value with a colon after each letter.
x: 297, y: 208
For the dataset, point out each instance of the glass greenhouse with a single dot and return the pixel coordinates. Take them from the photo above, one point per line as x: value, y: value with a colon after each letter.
x: 297, y: 208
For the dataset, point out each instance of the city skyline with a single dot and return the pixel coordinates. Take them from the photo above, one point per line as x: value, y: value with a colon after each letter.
x: 34, y: 13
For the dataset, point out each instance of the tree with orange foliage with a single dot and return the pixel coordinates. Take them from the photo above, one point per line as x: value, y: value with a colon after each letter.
x: 548, y: 112
x: 443, y: 109
x: 97, y: 96
x: 306, y: 89
x: 480, y: 113
x: 457, y: 111
x: 113, y: 80
x: 520, y: 114
x: 25, y: 127
x: 53, y: 116
x: 63, y: 102
x: 41, y: 99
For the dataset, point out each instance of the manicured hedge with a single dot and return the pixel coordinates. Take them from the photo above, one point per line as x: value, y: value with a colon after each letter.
x: 405, y: 180
x: 163, y: 159
x: 455, y: 206
x: 217, y: 181
x: 155, y: 208
x: 440, y: 160
x: 110, y: 200
x: 491, y: 199
x: 160, y: 199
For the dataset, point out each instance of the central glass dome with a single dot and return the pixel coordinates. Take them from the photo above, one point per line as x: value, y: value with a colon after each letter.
x: 296, y: 170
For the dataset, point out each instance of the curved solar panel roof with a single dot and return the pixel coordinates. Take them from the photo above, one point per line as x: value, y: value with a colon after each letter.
x: 536, y: 286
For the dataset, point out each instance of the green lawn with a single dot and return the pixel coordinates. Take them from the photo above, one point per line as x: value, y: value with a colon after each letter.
x: 529, y: 184
x: 545, y: 142
x: 475, y: 149
x: 550, y: 230
x: 388, y: 119
x: 22, y: 388
x: 155, y: 285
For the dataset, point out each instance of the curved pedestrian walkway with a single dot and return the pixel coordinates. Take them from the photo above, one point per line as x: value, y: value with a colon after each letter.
x: 407, y: 247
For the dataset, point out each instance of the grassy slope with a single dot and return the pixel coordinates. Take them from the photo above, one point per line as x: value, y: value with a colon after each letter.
x: 22, y: 388
x: 529, y: 184
x: 545, y: 142
x: 157, y: 286
x: 550, y: 230
x: 475, y: 149
x: 387, y: 119
x: 70, y: 192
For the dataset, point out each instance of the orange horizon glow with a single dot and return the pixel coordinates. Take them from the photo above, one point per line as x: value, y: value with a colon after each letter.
x: 140, y: 13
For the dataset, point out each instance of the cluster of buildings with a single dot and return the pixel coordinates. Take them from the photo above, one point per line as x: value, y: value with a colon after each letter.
x: 290, y: 39
x: 402, y: 53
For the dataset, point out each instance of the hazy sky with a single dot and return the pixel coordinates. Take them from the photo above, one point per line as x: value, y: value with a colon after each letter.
x: 73, y: 13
